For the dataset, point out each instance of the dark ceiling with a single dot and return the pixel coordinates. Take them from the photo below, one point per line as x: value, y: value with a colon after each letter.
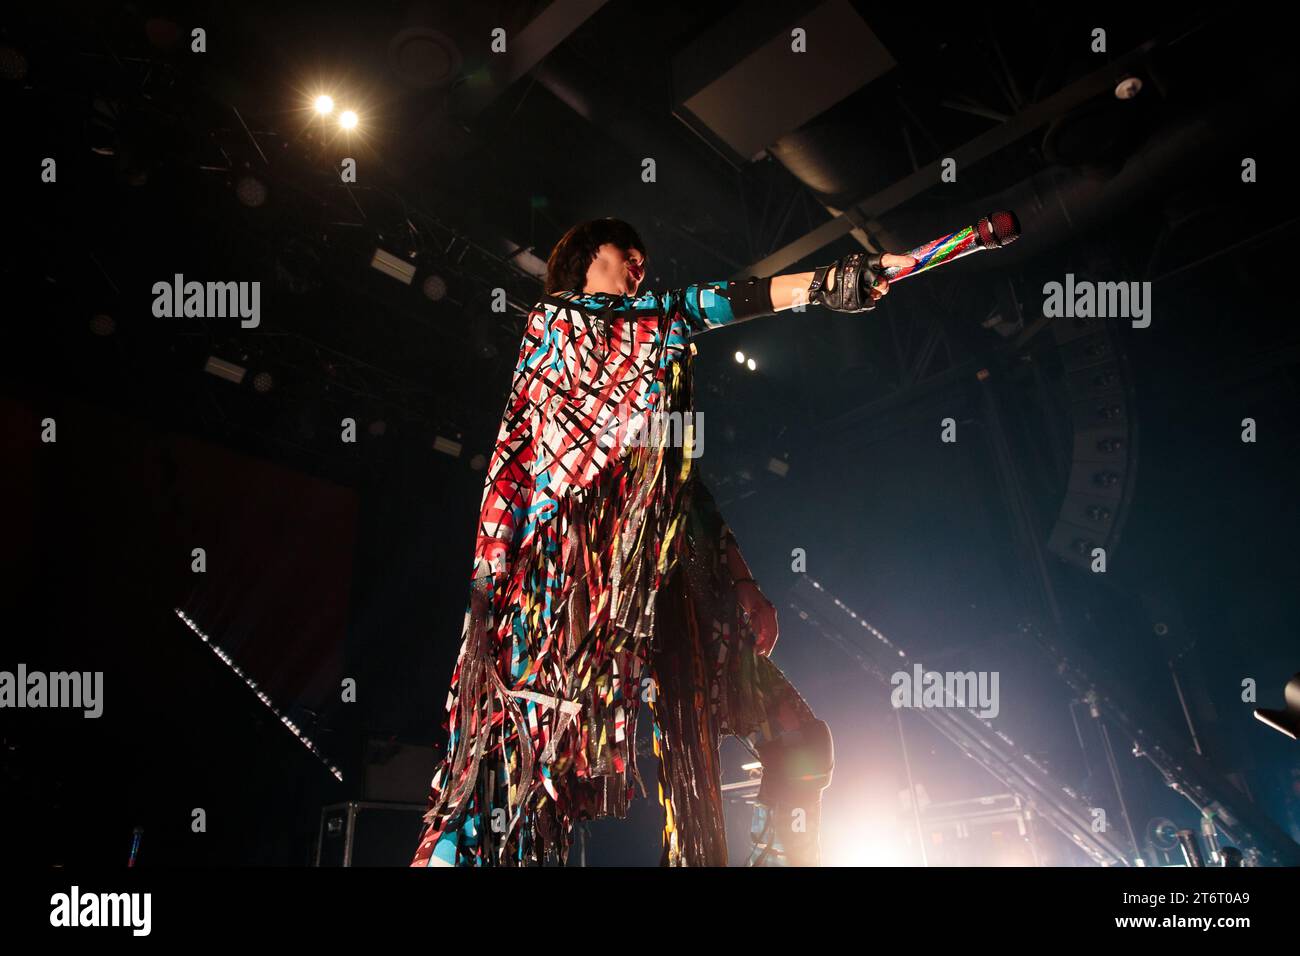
x: 473, y: 163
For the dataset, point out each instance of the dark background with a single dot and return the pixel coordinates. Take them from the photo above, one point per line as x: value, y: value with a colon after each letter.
x: 329, y: 560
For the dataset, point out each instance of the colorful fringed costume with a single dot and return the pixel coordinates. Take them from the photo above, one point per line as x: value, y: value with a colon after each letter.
x: 599, y: 583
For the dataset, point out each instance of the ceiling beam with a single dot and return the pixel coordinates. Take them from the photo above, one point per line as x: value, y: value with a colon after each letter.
x: 555, y: 24
x: 863, y: 212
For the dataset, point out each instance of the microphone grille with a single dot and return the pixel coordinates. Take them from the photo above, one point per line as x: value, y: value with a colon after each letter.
x: 999, y: 229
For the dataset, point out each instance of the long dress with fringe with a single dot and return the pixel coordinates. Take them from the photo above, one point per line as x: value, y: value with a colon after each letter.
x: 599, y: 584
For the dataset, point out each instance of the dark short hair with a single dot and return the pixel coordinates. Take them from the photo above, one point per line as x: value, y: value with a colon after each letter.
x: 566, y: 269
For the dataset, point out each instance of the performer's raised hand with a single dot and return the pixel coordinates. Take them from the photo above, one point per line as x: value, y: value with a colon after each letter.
x: 854, y: 283
x: 761, y: 614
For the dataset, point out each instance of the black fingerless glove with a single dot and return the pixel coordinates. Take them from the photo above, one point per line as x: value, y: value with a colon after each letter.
x: 855, y: 274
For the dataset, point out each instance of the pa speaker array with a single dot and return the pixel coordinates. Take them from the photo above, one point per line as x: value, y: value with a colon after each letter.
x: 1104, y: 464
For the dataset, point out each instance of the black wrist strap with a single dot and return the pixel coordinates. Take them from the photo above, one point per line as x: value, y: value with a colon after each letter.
x: 751, y: 298
x: 815, y: 288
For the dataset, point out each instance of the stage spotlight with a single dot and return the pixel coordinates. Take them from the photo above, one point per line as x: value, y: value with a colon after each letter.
x: 1285, y: 721
x: 102, y: 324
x: 377, y: 428
x: 324, y: 104
x: 251, y: 191
x: 424, y: 58
x: 478, y: 462
x: 348, y: 119
x: 263, y: 382
x: 740, y: 357
x: 447, y: 446
x: 750, y: 364
x: 864, y: 843
x: 391, y: 265
x: 435, y: 287
x: 223, y: 369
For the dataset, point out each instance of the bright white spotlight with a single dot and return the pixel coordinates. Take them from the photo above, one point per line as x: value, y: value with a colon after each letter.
x: 865, y: 843
x: 750, y: 365
x: 324, y: 104
x: 348, y: 119
x: 740, y: 357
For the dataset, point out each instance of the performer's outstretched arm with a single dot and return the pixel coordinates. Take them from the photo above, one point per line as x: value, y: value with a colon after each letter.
x: 712, y: 305
x: 791, y: 289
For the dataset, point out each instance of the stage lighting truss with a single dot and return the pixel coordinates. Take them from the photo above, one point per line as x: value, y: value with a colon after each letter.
x: 257, y: 159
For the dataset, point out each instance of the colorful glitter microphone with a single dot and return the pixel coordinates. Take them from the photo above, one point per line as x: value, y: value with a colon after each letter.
x: 991, y: 232
x: 135, y: 844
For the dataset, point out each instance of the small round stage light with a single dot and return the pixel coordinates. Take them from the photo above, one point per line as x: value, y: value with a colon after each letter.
x: 251, y: 191
x: 740, y: 357
x: 324, y: 104
x: 749, y: 364
x: 348, y: 119
x: 435, y: 287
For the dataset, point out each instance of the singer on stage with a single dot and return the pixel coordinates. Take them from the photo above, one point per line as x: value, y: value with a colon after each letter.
x: 604, y: 577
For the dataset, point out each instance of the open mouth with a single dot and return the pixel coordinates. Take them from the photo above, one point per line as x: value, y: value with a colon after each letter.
x: 635, y: 273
